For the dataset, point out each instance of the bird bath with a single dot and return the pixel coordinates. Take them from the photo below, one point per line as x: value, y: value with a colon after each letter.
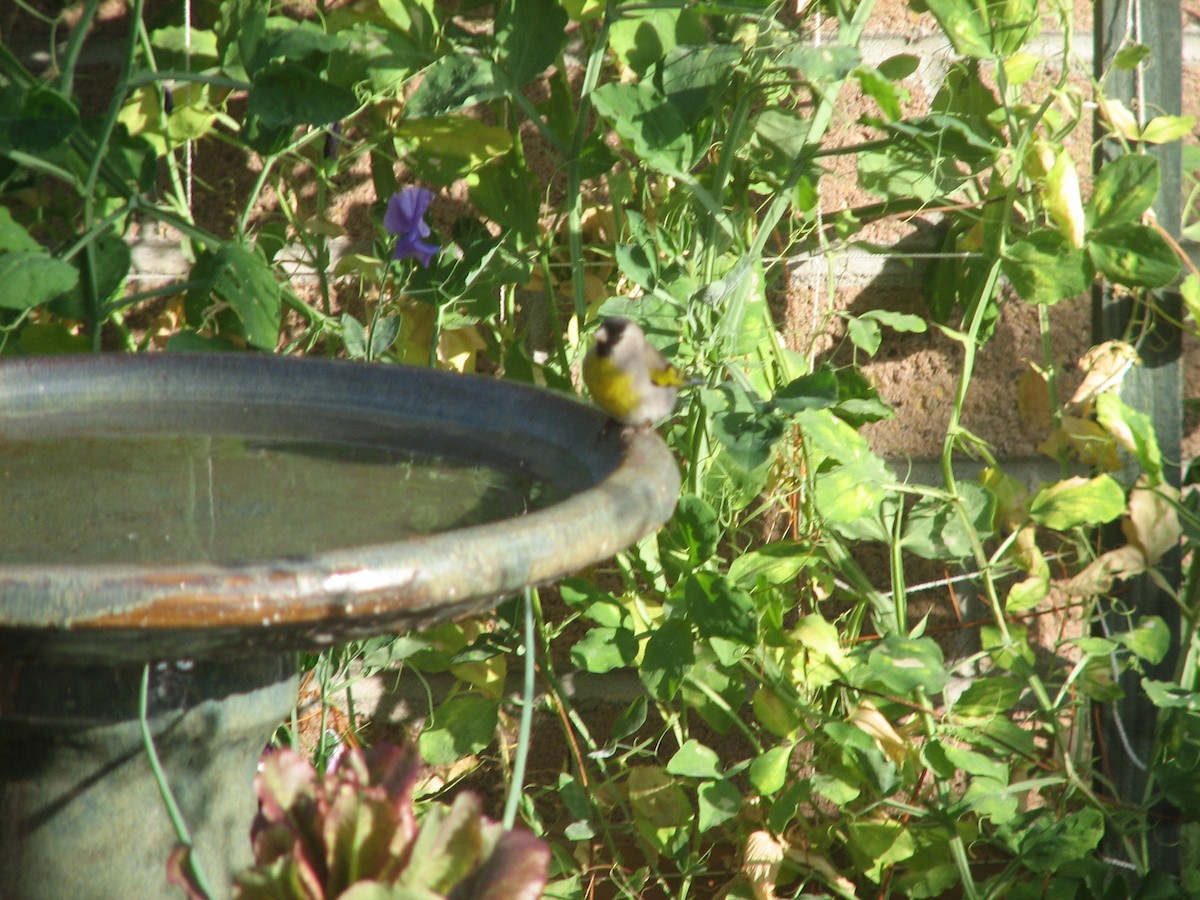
x: 202, y: 518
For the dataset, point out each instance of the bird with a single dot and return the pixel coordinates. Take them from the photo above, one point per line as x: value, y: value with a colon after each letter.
x: 627, y: 377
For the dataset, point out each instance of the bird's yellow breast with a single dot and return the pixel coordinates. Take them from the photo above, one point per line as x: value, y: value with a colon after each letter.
x: 612, y: 389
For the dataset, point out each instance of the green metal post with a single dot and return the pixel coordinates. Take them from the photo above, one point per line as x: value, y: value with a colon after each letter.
x: 1127, y: 728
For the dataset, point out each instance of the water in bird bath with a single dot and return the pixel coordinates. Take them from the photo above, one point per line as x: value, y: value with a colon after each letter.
x: 168, y: 499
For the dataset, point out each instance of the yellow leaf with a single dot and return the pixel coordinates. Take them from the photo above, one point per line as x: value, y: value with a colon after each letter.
x: 457, y: 348
x: 1152, y: 523
x: 1092, y: 444
x: 761, y: 859
x: 1121, y: 119
x: 868, y: 718
x: 1106, y: 365
x: 1033, y: 398
x: 1099, y: 575
x: 1063, y: 201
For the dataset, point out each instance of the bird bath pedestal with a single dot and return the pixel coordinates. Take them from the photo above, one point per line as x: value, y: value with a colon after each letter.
x: 175, y: 528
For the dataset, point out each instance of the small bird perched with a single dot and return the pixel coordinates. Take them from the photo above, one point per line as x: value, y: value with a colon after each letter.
x: 627, y: 377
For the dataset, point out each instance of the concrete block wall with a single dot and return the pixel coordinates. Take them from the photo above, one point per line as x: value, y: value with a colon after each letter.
x: 917, y: 374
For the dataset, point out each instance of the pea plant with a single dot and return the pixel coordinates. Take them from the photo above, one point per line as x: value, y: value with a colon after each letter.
x: 792, y: 724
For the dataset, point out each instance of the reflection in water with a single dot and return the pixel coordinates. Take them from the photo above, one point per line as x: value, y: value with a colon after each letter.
x: 189, y: 499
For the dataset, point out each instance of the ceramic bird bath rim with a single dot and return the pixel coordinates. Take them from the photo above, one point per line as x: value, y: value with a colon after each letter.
x: 199, y: 658
x: 620, y: 485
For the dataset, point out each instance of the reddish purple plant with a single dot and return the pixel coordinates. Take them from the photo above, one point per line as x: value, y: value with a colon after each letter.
x: 352, y: 834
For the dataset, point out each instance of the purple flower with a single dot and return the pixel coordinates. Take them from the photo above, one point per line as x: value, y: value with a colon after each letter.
x: 405, y: 218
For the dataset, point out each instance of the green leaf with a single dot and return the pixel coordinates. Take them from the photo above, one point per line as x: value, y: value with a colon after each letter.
x: 992, y: 695
x: 631, y: 719
x: 1048, y: 843
x: 383, y: 334
x: 1178, y: 770
x: 1044, y: 268
x: 241, y: 277
x: 991, y: 798
x: 530, y: 34
x: 947, y: 138
x: 749, y: 438
x: 504, y: 191
x: 780, y: 136
x: 1011, y: 653
x: 1150, y: 640
x: 878, y: 846
x: 1134, y: 255
x: 354, y: 336
x: 831, y: 62
x: 287, y: 94
x: 187, y: 341
x: 900, y: 665
x: 13, y: 235
x: 649, y: 123
x: 446, y: 148
x: 858, y: 400
x: 690, y: 77
x: 453, y: 83
x: 669, y: 655
x: 882, y: 90
x: 639, y: 39
x: 897, y: 321
x: 774, y: 713
x: 111, y: 258
x: 44, y: 338
x: 605, y: 649
x: 660, y: 807
x: 1027, y: 593
x: 1133, y: 431
x: 715, y: 687
x: 288, y: 40
x: 718, y: 609
x: 1131, y: 56
x: 777, y: 563
x: 948, y: 758
x: 32, y: 278
x: 846, y: 494
x: 769, y: 771
x: 1164, y: 129
x: 839, y: 785
x: 1190, y: 290
x: 1169, y: 695
x: 1124, y: 189
x: 719, y: 801
x: 690, y: 539
x: 460, y: 727
x: 942, y: 529
x: 695, y: 760
x: 865, y: 334
x: 40, y: 124
x: 898, y: 172
x: 384, y: 58
x: 992, y: 28
x: 1078, y: 501
x: 657, y: 798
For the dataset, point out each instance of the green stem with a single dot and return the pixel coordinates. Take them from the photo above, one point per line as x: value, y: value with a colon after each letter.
x: 591, y: 76
x: 164, y: 788
x: 66, y: 80
x: 156, y: 76
x: 90, y: 285
x: 520, y: 760
x: 733, y: 136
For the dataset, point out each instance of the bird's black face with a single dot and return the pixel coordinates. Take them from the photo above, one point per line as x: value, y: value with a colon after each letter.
x: 608, y: 335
